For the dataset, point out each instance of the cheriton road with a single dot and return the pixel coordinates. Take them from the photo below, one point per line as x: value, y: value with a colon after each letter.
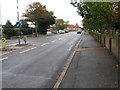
x: 38, y: 65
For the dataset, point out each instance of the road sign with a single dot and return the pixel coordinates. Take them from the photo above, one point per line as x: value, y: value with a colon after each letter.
x: 18, y: 24
x: 3, y: 39
x: 3, y: 42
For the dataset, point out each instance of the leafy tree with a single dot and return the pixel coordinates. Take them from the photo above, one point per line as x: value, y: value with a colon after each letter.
x: 24, y: 28
x: 24, y: 23
x: 116, y: 19
x: 8, y: 29
x: 61, y: 24
x: 8, y: 25
x: 38, y: 14
x: 97, y: 15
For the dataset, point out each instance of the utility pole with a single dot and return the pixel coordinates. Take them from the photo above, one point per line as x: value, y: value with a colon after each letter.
x: 1, y: 31
x: 18, y: 21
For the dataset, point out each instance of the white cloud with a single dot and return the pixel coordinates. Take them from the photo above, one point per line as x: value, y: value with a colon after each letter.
x: 61, y: 8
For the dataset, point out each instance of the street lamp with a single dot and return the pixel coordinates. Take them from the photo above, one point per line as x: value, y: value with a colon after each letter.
x: 1, y: 31
x: 18, y: 21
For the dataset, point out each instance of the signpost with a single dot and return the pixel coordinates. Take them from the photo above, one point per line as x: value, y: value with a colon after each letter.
x: 18, y: 23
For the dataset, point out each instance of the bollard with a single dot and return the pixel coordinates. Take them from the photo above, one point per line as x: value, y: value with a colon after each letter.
x: 3, y: 43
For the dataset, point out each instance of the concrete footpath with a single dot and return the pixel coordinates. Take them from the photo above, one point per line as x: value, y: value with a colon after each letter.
x: 93, y: 66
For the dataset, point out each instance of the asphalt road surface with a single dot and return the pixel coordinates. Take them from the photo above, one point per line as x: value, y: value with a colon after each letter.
x: 38, y: 65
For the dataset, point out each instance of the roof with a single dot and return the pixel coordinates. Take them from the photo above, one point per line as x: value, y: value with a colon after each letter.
x: 77, y: 26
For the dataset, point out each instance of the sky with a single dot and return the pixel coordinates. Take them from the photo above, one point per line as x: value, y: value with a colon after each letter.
x: 62, y: 10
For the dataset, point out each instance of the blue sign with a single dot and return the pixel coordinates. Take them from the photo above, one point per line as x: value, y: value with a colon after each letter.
x: 3, y: 39
x: 18, y: 24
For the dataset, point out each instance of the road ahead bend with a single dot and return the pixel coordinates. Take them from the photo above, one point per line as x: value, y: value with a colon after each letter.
x: 37, y: 66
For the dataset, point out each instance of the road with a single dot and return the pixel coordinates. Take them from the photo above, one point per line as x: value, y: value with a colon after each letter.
x: 38, y: 65
x: 15, y: 41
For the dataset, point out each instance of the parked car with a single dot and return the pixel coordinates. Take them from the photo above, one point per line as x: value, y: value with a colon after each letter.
x: 66, y: 30
x: 79, y: 31
x: 61, y: 31
x: 55, y: 32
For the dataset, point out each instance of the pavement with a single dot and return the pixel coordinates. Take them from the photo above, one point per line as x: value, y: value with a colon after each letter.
x: 92, y: 66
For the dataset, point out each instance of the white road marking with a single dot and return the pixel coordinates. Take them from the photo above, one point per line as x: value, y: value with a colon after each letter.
x: 60, y: 38
x: 27, y: 50
x: 3, y: 58
x: 70, y: 48
x: 45, y: 44
x: 54, y: 41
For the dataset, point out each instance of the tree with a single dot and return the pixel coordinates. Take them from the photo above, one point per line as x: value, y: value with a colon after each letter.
x: 24, y: 23
x: 38, y: 14
x: 24, y: 28
x: 8, y: 25
x: 61, y: 24
x: 8, y: 29
x: 96, y: 15
x: 116, y: 19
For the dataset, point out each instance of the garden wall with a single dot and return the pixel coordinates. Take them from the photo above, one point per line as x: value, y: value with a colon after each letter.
x: 112, y: 44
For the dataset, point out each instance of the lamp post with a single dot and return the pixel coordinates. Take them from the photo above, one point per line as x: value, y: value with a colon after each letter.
x: 1, y: 31
x: 18, y: 21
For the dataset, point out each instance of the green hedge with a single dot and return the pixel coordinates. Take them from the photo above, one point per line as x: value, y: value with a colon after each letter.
x: 15, y: 32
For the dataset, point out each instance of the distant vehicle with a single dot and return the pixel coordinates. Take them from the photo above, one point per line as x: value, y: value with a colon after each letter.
x: 61, y: 31
x: 79, y: 31
x: 66, y: 30
x: 55, y: 31
x: 49, y: 32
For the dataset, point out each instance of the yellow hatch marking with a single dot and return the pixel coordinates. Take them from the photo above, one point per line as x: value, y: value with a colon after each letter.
x: 80, y: 49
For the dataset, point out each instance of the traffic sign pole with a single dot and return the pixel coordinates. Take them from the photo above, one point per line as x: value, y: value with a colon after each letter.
x: 18, y: 21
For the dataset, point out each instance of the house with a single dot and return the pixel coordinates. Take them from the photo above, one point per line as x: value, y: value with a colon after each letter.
x: 73, y: 27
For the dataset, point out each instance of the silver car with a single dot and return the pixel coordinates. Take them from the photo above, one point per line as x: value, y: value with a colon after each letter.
x: 61, y: 31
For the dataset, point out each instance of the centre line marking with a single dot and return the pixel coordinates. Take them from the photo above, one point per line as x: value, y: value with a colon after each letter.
x: 45, y: 44
x: 3, y: 59
x: 27, y: 50
x: 53, y: 41
x: 60, y: 38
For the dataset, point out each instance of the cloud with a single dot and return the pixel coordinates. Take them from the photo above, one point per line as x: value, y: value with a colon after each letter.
x: 61, y: 8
